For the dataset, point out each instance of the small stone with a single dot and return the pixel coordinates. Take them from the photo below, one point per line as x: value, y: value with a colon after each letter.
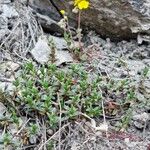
x: 60, y: 43
x: 127, y: 140
x: 143, y: 117
x: 41, y: 51
x: 9, y: 11
x: 33, y: 139
x: 8, y: 66
x: 7, y: 86
x: 147, y: 86
x: 5, y: 1
x: 3, y: 109
x: 13, y: 128
x: 63, y: 57
x: 74, y: 146
x: 140, y: 97
x: 140, y: 120
x: 98, y: 133
x: 3, y: 22
x: 139, y: 125
x: 50, y: 132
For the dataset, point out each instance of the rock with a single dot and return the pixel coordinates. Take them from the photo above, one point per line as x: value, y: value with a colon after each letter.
x: 13, y: 128
x: 50, y: 132
x: 9, y: 65
x: 5, y: 1
x: 3, y: 33
x: 33, y: 139
x: 143, y: 117
x: 3, y: 22
x: 63, y: 57
x: 48, y: 24
x: 7, y: 87
x: 139, y: 125
x: 140, y: 120
x: 115, y: 19
x: 3, y: 109
x: 9, y: 11
x: 41, y: 52
x: 60, y: 43
x: 147, y: 87
x: 140, y: 97
x: 7, y: 68
x: 135, y: 66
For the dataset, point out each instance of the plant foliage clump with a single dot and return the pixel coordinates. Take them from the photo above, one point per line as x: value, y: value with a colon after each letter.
x: 49, y: 92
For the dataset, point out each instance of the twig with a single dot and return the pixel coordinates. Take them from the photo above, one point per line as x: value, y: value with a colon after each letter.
x: 23, y: 126
x: 59, y: 120
x: 44, y: 133
x: 104, y: 117
x: 79, y: 29
x: 40, y: 148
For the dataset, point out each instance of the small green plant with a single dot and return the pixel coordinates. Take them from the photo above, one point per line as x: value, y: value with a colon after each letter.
x: 126, y: 119
x: 79, y: 6
x: 55, y: 96
x: 145, y: 72
x: 38, y: 88
x: 37, y: 92
x: 33, y: 129
x: 6, y: 139
x: 53, y: 50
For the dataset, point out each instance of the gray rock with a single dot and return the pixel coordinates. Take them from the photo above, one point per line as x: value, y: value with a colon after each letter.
x: 7, y: 87
x: 3, y: 109
x: 5, y: 1
x: 139, y: 125
x: 143, y: 117
x: 147, y: 88
x: 49, y: 24
x: 33, y: 139
x: 60, y: 43
x: 63, y: 57
x: 140, y: 120
x: 134, y: 66
x: 41, y: 52
x: 115, y: 19
x: 13, y: 128
x: 9, y: 11
x: 140, y: 97
x: 8, y: 66
x: 3, y: 22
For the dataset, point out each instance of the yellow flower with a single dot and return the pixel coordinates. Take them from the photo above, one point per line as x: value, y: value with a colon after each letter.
x: 62, y: 12
x: 81, y: 4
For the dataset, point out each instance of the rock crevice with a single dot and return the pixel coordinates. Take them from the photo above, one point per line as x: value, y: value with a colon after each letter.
x: 122, y: 19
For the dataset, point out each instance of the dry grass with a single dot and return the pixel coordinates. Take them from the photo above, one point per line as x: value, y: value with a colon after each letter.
x: 22, y: 36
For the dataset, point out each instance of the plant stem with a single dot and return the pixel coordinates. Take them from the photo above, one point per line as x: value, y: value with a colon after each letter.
x: 79, y: 29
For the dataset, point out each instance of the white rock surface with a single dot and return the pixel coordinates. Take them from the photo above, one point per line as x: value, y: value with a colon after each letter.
x: 3, y: 109
x: 9, y: 11
x: 41, y: 52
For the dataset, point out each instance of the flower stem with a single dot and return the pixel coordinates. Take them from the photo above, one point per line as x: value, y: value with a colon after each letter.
x: 79, y: 29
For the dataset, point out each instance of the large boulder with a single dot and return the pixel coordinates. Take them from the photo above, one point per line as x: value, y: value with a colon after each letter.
x: 122, y: 19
